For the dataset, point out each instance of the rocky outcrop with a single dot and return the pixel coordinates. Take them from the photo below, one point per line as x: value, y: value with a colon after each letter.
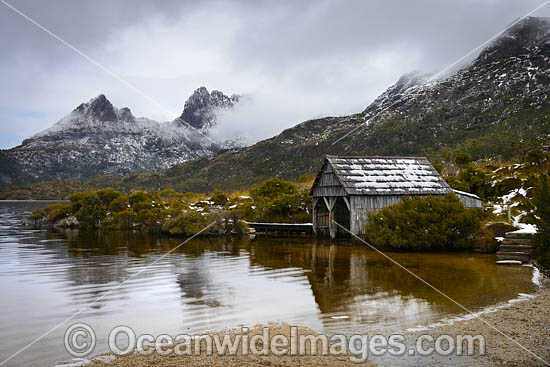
x: 201, y: 109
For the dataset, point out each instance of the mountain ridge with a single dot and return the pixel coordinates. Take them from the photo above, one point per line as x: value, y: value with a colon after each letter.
x: 97, y: 138
x: 496, y: 106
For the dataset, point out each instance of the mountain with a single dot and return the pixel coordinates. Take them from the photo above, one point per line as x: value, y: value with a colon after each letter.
x: 497, y: 106
x: 202, y: 108
x: 97, y: 138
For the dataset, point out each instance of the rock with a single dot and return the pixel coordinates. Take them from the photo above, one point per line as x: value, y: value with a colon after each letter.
x: 69, y: 222
x: 500, y: 229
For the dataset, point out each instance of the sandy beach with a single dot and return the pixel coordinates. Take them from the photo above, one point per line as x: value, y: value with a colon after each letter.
x: 527, y: 322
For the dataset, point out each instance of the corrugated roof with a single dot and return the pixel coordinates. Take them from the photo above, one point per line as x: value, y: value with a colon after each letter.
x: 387, y: 176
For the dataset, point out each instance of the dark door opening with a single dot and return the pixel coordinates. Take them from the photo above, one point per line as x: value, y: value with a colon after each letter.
x: 342, y: 217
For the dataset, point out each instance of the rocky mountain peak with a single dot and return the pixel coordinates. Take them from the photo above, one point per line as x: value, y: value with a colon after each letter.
x: 125, y: 114
x: 201, y: 108
x: 99, y: 108
x: 404, y: 83
x: 529, y: 33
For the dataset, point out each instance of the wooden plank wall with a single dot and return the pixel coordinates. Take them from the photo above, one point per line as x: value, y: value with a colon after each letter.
x: 328, y: 184
x: 469, y: 202
x: 360, y: 205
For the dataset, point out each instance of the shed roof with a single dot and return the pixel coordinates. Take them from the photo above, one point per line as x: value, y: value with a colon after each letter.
x: 386, y: 176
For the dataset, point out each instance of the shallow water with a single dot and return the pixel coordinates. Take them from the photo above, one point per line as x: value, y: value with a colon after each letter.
x: 211, y: 284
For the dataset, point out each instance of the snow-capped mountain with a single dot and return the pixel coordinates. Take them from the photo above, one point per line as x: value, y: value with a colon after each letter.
x: 202, y: 108
x: 496, y: 106
x: 97, y: 138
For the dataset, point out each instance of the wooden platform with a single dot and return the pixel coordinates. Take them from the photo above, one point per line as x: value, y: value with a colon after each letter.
x: 287, y: 229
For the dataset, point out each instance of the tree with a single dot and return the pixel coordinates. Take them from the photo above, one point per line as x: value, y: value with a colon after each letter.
x: 463, y: 158
x: 430, y: 223
x: 278, y: 200
x: 91, y: 212
x: 272, y: 188
x: 541, y: 218
x: 535, y: 157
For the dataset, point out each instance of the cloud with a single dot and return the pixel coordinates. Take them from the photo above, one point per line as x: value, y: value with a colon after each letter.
x: 295, y: 60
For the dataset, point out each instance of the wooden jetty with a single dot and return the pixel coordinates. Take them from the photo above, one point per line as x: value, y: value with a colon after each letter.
x: 288, y: 229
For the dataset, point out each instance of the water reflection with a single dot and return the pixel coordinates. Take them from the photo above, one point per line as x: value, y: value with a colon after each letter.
x: 46, y: 276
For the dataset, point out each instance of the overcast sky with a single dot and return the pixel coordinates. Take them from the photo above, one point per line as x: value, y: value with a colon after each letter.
x: 295, y: 60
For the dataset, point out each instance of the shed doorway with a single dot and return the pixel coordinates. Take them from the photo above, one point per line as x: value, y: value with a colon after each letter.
x: 322, y: 218
x: 342, y: 217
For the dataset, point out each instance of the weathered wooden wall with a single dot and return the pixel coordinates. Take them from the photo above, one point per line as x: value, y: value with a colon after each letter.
x: 361, y: 205
x: 328, y: 184
x: 469, y: 202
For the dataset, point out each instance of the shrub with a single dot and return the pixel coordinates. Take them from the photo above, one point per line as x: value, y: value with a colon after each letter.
x: 187, y: 223
x: 430, y: 223
x: 541, y: 218
x: 219, y: 197
x: 535, y: 157
x: 463, y: 158
x: 91, y: 212
x: 57, y: 211
x: 107, y: 195
x: 276, y: 200
x: 38, y: 216
x: 485, y: 240
x: 271, y: 189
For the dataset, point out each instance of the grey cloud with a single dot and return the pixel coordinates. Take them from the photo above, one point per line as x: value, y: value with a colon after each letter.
x: 296, y: 59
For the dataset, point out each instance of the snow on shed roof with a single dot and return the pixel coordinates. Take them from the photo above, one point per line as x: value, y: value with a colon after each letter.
x: 387, y: 176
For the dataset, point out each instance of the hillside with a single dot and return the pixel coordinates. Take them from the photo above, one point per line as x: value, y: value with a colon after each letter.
x: 495, y: 107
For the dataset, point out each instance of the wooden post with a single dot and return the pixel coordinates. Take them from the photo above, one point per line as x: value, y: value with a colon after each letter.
x: 331, y: 225
x: 314, y: 214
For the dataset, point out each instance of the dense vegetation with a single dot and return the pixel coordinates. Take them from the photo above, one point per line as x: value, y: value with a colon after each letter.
x: 541, y: 218
x: 430, y: 223
x: 168, y: 211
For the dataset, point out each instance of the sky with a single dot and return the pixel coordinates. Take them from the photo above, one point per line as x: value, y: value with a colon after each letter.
x: 293, y: 60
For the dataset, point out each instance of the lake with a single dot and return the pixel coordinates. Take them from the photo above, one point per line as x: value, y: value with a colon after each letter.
x: 211, y: 284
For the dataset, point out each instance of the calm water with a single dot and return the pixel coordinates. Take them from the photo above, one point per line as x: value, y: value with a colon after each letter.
x: 212, y: 284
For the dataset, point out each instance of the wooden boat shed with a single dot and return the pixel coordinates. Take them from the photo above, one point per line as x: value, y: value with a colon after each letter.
x: 347, y: 188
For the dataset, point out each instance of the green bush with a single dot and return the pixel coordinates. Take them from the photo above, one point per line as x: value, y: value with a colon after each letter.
x: 187, y: 223
x: 57, y: 211
x: 541, y: 218
x: 535, y: 157
x: 430, y: 223
x: 219, y: 197
x: 91, y: 211
x: 463, y: 158
x: 276, y: 200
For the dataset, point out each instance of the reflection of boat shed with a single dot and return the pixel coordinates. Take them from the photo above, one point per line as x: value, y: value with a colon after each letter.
x: 346, y: 188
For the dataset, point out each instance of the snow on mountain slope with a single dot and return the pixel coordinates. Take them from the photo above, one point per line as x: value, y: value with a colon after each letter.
x: 97, y: 138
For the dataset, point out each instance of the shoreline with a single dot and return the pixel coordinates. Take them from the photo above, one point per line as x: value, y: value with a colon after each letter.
x: 525, y: 320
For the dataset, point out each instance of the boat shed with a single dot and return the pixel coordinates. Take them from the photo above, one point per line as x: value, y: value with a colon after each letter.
x: 347, y: 188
